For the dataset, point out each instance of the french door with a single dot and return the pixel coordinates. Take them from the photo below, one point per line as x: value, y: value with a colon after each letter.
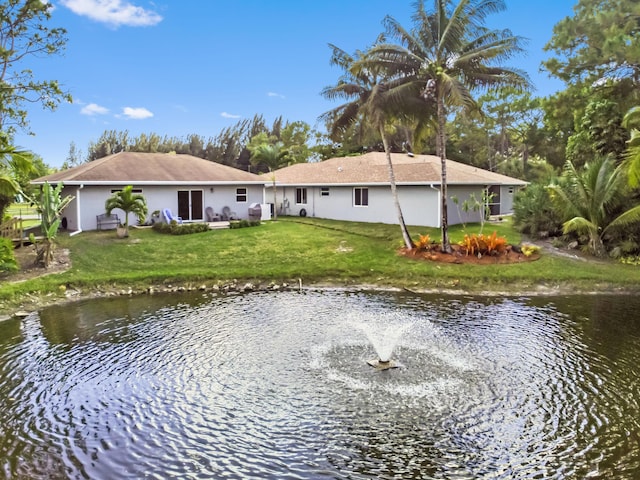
x: 190, y: 205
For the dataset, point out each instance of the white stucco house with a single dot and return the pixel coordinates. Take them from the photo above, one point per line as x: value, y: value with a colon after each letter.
x: 184, y: 184
x: 357, y: 188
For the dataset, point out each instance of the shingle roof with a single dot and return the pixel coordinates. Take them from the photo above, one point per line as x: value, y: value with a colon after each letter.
x: 161, y: 168
x: 371, y: 168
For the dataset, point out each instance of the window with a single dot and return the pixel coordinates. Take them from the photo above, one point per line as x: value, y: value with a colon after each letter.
x: 324, y: 191
x: 241, y: 195
x: 301, y: 196
x: 361, y: 197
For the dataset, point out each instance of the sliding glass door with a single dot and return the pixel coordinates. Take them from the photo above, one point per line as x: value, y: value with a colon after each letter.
x: 190, y: 205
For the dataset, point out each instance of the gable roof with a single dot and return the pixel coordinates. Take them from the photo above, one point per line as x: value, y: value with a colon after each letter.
x: 151, y: 168
x: 371, y: 168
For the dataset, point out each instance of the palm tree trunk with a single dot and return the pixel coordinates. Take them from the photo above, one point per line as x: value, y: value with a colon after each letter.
x: 442, y: 153
x: 394, y: 192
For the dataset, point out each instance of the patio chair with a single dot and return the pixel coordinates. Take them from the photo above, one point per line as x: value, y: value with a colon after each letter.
x: 227, y: 214
x: 211, y: 216
x: 169, y: 217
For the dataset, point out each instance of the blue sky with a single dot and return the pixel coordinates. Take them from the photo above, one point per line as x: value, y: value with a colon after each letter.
x: 177, y: 67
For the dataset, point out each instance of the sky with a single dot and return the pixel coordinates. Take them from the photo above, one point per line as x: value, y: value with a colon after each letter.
x: 181, y: 67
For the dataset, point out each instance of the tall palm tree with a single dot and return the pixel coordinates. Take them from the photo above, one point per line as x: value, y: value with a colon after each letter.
x: 366, y: 93
x: 450, y: 53
x: 589, y: 196
x: 273, y: 156
x: 128, y: 202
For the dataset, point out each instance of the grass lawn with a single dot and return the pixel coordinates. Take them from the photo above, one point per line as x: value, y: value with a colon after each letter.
x: 313, y: 250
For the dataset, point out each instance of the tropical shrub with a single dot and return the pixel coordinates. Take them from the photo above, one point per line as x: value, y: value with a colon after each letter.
x: 424, y: 243
x: 174, y: 228
x: 49, y: 205
x: 595, y: 202
x: 7, y: 256
x: 484, y: 244
x: 534, y: 213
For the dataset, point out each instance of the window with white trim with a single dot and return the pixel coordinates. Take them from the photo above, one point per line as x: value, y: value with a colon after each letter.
x: 241, y: 195
x: 324, y: 191
x: 361, y: 197
x: 301, y: 196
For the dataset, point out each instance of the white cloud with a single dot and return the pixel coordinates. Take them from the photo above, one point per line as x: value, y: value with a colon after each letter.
x: 229, y: 115
x: 136, y: 113
x: 273, y: 94
x: 94, y: 109
x: 113, y: 12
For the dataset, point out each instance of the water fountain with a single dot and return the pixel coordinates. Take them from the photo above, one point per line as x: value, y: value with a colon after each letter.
x: 278, y: 385
x: 383, y: 339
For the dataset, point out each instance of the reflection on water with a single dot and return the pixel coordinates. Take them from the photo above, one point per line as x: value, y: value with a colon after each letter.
x: 276, y: 386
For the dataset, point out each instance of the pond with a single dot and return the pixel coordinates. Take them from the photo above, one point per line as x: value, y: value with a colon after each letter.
x: 277, y: 385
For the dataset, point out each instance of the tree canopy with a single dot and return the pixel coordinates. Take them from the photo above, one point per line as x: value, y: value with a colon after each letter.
x: 24, y: 33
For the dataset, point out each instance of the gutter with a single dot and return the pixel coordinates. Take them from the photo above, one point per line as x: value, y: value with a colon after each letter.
x: 439, y: 203
x: 78, y: 216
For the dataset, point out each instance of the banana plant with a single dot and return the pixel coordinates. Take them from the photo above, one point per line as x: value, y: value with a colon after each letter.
x: 50, y: 205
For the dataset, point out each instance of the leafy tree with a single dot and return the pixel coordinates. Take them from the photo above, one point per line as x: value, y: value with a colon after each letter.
x: 128, y: 202
x: 367, y: 98
x: 50, y: 205
x: 74, y: 157
x: 451, y: 54
x: 601, y: 40
x: 110, y: 142
x: 23, y: 34
x: 589, y: 197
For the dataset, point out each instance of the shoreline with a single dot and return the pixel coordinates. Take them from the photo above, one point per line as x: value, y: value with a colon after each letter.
x: 234, y: 288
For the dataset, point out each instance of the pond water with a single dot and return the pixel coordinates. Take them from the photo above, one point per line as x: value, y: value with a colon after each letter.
x: 276, y: 385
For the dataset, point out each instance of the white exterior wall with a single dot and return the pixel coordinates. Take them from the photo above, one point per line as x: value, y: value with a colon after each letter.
x: 455, y: 213
x: 420, y: 204
x: 89, y: 202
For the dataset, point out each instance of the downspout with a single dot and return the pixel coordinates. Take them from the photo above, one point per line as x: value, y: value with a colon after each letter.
x: 437, y: 203
x: 78, y: 216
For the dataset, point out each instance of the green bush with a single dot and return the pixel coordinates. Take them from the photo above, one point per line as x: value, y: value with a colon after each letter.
x: 533, y: 212
x: 244, y: 223
x: 7, y: 256
x: 174, y: 228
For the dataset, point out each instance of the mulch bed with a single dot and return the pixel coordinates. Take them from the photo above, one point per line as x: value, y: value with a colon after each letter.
x: 459, y: 256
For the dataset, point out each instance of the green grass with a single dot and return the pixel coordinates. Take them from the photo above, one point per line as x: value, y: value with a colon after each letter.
x: 23, y: 209
x: 312, y: 250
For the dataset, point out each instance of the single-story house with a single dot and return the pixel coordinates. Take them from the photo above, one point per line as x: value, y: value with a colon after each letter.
x: 184, y: 184
x: 357, y: 188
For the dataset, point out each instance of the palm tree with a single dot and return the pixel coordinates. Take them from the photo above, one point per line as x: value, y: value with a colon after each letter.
x: 451, y: 54
x: 588, y: 197
x: 367, y: 101
x: 128, y: 202
x: 13, y: 162
x: 632, y: 122
x: 273, y: 156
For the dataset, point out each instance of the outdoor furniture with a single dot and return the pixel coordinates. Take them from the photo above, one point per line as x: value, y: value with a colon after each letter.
x: 255, y: 211
x: 107, y: 222
x: 227, y: 214
x: 211, y: 216
x: 169, y: 217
